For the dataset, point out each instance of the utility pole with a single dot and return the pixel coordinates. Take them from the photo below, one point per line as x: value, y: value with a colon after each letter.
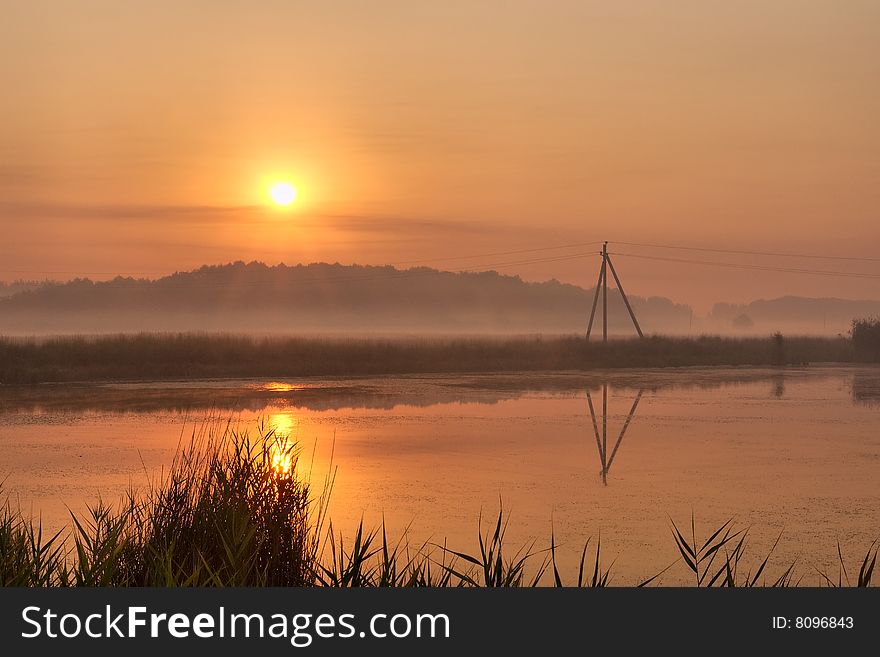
x: 632, y: 315
x: 604, y: 292
x: 596, y: 298
x: 602, y: 283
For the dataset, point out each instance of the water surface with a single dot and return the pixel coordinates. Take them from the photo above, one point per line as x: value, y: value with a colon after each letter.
x: 794, y: 451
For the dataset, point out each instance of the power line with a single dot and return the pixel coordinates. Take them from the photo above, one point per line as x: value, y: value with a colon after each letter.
x: 167, y: 279
x: 428, y: 272
x: 547, y: 248
x: 774, y: 254
x: 396, y: 274
x: 570, y: 245
x: 500, y: 253
x: 733, y: 265
x: 86, y: 273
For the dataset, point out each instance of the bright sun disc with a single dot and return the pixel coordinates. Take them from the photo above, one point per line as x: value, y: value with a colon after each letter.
x: 283, y: 193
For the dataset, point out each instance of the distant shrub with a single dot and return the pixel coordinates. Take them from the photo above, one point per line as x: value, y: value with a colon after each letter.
x: 865, y: 335
x: 778, y: 342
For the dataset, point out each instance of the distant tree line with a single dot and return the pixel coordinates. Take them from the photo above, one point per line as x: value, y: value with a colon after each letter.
x: 324, y: 297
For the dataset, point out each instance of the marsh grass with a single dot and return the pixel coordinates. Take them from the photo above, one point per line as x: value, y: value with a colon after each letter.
x: 490, y: 569
x: 225, y: 515
x: 866, y: 572
x: 26, y: 557
x: 719, y: 560
x: 164, y: 356
x: 600, y: 577
x: 233, y: 510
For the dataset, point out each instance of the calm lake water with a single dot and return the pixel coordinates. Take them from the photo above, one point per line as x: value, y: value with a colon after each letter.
x: 795, y: 451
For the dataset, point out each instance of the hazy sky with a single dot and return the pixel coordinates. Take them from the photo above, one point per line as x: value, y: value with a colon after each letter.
x: 141, y: 136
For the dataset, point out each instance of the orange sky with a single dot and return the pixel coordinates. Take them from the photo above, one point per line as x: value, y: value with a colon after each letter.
x: 140, y: 136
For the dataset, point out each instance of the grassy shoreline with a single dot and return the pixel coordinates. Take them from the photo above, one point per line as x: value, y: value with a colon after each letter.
x: 232, y: 511
x: 159, y: 356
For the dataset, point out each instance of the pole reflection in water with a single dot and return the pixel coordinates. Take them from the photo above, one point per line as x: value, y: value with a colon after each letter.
x: 602, y: 438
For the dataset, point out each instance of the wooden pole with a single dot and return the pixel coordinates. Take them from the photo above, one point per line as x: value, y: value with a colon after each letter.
x: 595, y: 299
x: 604, y: 292
x: 623, y: 294
x: 595, y: 424
x: 629, y: 417
x: 604, y: 433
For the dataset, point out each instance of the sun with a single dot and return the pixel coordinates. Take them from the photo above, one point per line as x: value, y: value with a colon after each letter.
x: 282, y: 193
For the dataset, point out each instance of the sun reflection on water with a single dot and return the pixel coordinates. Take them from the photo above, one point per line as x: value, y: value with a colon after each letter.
x: 282, y: 451
x: 284, y: 424
x: 280, y: 386
x: 282, y: 461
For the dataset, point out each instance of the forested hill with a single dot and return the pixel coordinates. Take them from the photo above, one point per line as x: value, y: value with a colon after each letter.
x: 323, y: 298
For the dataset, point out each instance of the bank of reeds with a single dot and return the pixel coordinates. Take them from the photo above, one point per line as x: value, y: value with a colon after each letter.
x: 156, y: 356
x: 233, y: 511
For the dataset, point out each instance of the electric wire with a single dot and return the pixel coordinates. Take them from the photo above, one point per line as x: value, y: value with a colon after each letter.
x: 733, y: 265
x: 773, y: 254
